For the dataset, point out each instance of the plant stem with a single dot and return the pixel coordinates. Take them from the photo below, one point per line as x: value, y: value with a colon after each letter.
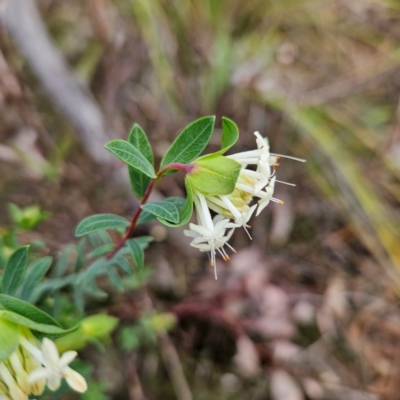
x: 129, y: 231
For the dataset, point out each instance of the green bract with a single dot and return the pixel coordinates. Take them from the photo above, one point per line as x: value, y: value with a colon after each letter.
x: 8, y: 338
x: 214, y: 175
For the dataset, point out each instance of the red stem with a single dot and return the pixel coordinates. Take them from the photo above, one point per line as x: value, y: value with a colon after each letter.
x: 129, y: 231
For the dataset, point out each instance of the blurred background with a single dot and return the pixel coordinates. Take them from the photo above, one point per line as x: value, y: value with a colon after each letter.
x: 309, y: 309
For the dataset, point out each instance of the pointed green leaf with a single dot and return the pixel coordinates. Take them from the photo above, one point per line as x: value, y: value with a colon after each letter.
x: 79, y: 298
x: 186, y: 211
x: 35, y: 326
x: 139, y: 180
x: 137, y: 253
x: 100, y: 251
x: 27, y: 310
x: 115, y: 278
x: 34, y: 275
x: 92, y: 271
x: 178, y: 202
x: 145, y: 217
x: 130, y: 155
x: 124, y: 265
x: 214, y: 175
x: 23, y: 313
x: 230, y: 134
x: 62, y: 263
x: 100, y: 221
x: 191, y: 142
x: 9, y: 338
x: 162, y: 209
x: 144, y: 241
x: 15, y: 270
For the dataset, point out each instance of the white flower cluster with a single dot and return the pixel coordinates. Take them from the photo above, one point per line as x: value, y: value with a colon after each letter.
x: 32, y: 365
x: 235, y: 210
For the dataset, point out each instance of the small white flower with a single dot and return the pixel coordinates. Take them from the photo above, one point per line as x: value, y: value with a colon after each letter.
x: 266, y: 196
x: 55, y: 368
x: 210, y: 235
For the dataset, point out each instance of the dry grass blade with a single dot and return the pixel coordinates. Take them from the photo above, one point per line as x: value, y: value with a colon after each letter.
x: 372, y: 209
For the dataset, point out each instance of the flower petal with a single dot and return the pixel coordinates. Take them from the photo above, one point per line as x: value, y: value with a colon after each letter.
x: 76, y: 381
x: 67, y: 358
x: 189, y: 233
x: 50, y: 352
x: 38, y: 375
x: 53, y: 380
x: 200, y: 229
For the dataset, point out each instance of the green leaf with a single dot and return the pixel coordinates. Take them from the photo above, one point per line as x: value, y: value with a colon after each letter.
x: 92, y: 271
x: 62, y: 263
x: 80, y: 255
x: 115, y: 279
x: 144, y: 241
x: 15, y: 270
x: 104, y: 237
x: 178, y: 202
x: 139, y: 180
x: 130, y: 155
x: 99, y: 222
x: 9, y: 338
x: 186, y: 211
x: 230, y: 134
x: 23, y: 313
x: 27, y: 310
x: 95, y: 293
x: 79, y: 298
x: 145, y: 217
x: 35, y: 326
x: 191, y: 142
x: 34, y: 275
x: 214, y: 175
x: 100, y: 251
x: 137, y: 253
x: 124, y: 265
x: 162, y: 209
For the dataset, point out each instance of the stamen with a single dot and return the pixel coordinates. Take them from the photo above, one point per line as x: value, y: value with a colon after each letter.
x: 248, y: 234
x: 231, y: 247
x: 286, y: 183
x: 215, y: 263
x: 289, y: 157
